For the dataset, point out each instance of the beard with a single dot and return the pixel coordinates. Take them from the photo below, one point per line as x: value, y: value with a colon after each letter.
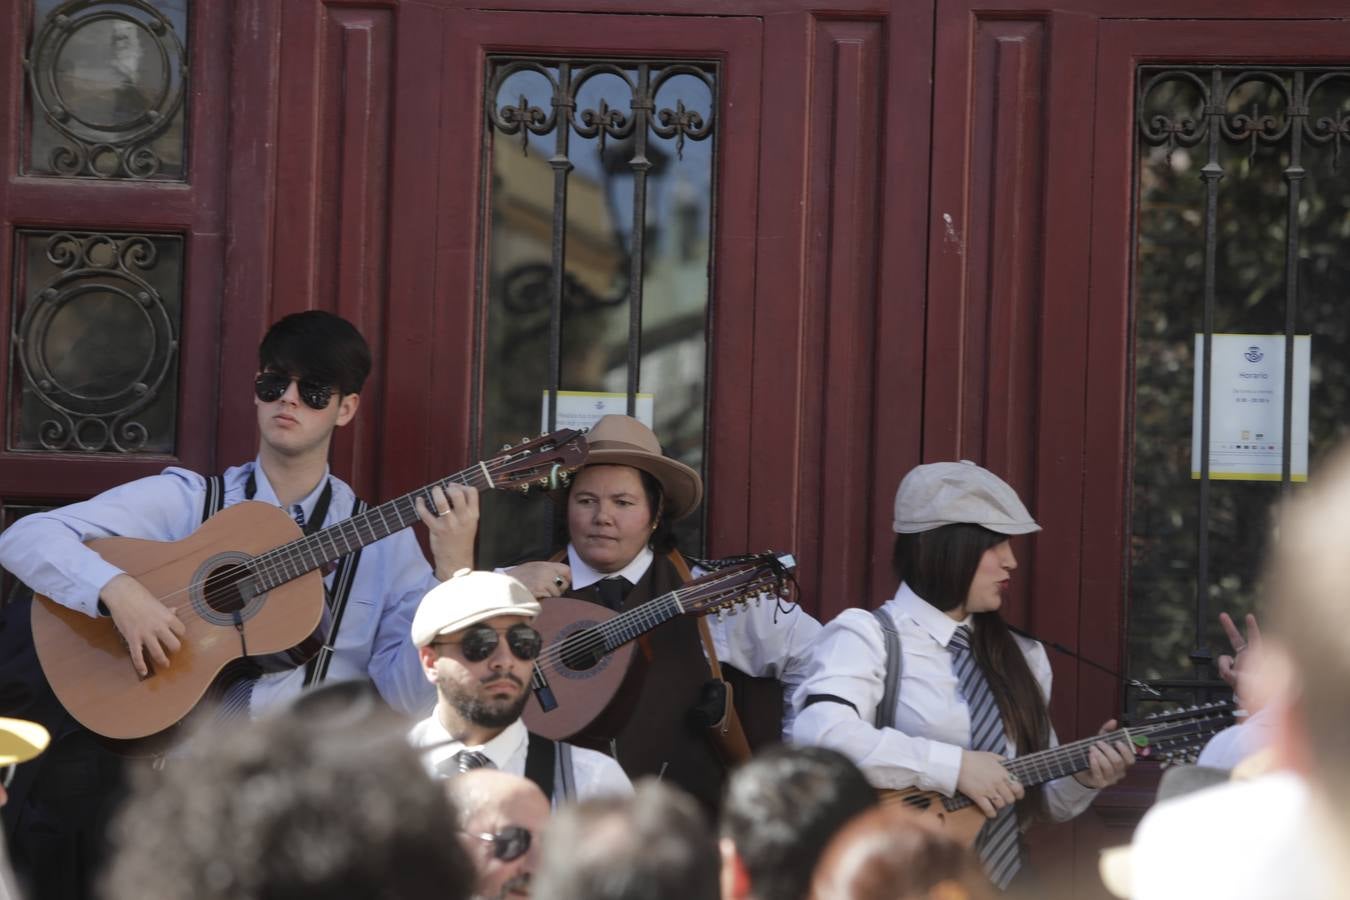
x: 486, y: 712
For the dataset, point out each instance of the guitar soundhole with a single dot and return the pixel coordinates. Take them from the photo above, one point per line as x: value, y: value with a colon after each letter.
x: 225, y: 589
x: 582, y: 651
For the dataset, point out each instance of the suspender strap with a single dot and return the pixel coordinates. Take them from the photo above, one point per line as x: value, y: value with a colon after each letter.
x: 539, y: 762
x: 886, y: 709
x: 215, y: 496
x: 566, y: 777
x: 316, y: 670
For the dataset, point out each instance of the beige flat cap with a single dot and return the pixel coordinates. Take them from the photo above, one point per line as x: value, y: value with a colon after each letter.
x: 467, y: 598
x: 953, y: 493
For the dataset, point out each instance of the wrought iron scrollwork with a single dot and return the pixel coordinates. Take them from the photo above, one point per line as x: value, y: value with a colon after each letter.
x: 607, y: 119
x: 98, y: 141
x: 96, y: 414
x: 1177, y: 107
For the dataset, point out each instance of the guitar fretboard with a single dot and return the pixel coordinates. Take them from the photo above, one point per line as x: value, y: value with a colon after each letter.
x: 290, y: 561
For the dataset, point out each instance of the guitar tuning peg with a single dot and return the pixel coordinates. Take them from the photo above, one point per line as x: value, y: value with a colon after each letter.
x: 506, y: 446
x: 524, y: 487
x: 542, y: 481
x: 721, y: 614
x: 524, y: 439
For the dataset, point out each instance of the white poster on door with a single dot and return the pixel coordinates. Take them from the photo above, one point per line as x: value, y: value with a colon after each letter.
x: 1246, y: 421
x: 582, y: 409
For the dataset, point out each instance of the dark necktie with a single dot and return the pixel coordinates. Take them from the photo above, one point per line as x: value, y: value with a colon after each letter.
x: 997, y: 843
x: 612, y: 591
x: 463, y: 761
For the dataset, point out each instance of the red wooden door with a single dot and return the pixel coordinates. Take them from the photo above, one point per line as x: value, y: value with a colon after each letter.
x: 1030, y: 346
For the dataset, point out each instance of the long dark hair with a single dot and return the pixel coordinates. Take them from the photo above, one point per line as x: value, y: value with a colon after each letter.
x: 939, y: 566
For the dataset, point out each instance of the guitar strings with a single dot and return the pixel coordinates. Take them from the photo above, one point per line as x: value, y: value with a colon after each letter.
x: 649, y: 615
x: 269, y: 565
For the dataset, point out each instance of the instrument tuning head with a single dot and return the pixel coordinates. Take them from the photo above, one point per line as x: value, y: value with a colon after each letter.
x: 506, y: 447
x: 524, y: 439
x: 525, y: 487
x: 721, y: 614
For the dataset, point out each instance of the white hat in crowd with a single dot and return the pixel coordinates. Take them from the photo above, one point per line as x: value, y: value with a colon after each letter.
x: 467, y: 598
x: 953, y: 493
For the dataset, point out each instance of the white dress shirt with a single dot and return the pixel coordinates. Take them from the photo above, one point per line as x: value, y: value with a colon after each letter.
x: 595, y: 774
x: 764, y: 641
x: 45, y: 550
x: 932, y: 722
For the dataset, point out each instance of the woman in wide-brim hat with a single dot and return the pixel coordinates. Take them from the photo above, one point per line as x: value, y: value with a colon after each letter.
x: 970, y: 693
x: 620, y: 553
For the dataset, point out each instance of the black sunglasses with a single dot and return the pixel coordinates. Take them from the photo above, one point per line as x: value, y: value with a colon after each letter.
x: 480, y: 641
x: 512, y: 842
x: 269, y: 386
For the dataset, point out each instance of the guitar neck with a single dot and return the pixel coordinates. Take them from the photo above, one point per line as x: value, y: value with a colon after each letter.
x: 290, y: 561
x: 634, y: 623
x: 1047, y: 765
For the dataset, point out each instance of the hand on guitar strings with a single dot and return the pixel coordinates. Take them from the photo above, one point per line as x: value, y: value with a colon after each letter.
x: 984, y: 779
x: 544, y: 579
x: 1107, y: 760
x: 452, y: 526
x: 149, y: 628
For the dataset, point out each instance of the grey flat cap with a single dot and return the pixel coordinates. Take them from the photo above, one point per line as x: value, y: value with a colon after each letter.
x: 951, y: 493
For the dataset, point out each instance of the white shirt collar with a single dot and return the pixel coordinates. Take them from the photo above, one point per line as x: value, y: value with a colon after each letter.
x: 268, y: 495
x: 583, y: 576
x: 500, y: 749
x: 937, y: 623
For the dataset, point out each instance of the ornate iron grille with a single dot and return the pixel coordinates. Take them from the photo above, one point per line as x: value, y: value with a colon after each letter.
x: 96, y: 342
x: 1242, y: 209
x: 598, y: 195
x: 108, y: 81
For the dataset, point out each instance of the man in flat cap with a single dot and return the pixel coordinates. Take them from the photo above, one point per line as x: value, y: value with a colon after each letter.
x: 477, y: 646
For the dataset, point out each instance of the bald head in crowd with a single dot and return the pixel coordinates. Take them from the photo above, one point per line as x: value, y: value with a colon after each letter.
x: 502, y: 818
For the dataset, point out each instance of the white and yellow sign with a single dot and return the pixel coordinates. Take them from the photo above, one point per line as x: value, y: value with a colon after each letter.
x: 1246, y: 413
x: 582, y: 409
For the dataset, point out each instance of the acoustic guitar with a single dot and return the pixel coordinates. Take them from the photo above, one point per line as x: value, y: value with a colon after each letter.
x: 246, y: 583
x: 1169, y: 737
x: 589, y: 651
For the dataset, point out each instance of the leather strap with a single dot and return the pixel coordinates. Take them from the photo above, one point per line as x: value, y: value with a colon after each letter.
x: 704, y: 632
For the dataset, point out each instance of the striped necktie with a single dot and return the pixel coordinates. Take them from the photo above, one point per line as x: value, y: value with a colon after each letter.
x: 998, y: 843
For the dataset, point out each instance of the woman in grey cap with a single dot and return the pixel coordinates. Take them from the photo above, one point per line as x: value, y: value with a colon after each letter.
x: 965, y: 693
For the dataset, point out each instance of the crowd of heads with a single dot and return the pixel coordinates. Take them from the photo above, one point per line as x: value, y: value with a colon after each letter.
x: 327, y: 799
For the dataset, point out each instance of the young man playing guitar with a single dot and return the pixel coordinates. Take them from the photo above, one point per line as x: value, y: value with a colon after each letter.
x: 311, y: 368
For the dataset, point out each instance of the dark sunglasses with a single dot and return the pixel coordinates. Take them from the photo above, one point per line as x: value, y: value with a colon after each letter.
x: 512, y: 842
x: 480, y: 642
x: 269, y: 386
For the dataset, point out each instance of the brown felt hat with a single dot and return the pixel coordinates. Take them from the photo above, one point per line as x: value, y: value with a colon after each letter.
x: 624, y: 441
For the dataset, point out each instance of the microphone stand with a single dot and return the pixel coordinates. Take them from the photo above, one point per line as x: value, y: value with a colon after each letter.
x: 1141, y: 686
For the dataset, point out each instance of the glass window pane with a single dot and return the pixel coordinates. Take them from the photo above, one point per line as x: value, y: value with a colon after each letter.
x: 107, y: 83
x: 639, y: 140
x: 95, y: 353
x: 1251, y: 131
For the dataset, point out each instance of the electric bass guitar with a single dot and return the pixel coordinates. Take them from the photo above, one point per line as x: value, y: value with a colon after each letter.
x: 246, y: 583
x: 1169, y: 737
x: 589, y: 651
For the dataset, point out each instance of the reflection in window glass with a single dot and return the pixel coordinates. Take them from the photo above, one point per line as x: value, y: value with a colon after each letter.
x: 107, y: 86
x: 616, y: 157
x: 95, y: 354
x: 1252, y: 131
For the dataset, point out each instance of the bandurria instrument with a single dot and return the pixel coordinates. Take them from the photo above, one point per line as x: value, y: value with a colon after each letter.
x: 244, y: 584
x: 1165, y: 737
x: 589, y: 651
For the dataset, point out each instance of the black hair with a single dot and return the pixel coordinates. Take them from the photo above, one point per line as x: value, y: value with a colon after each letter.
x: 782, y: 808
x: 939, y: 566
x: 317, y: 345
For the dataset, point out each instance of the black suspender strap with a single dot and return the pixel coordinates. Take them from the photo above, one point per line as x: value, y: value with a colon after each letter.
x: 539, y: 763
x: 215, y: 496
x: 886, y: 709
x: 316, y: 670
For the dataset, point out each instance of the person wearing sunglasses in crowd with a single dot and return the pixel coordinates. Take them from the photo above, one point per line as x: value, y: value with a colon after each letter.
x: 311, y: 369
x: 478, y: 648
x: 501, y: 820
